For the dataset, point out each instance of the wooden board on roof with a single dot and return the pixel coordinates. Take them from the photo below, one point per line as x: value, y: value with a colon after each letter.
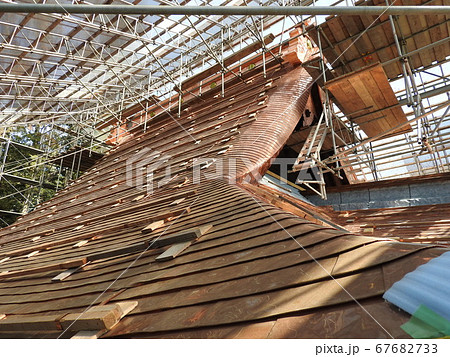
x: 366, y: 97
x: 438, y: 29
x: 360, y: 40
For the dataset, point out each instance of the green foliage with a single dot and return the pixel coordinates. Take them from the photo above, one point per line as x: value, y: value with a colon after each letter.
x: 24, y: 163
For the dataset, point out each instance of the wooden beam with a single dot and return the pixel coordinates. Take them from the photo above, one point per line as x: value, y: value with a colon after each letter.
x: 31, y: 323
x: 96, y: 318
x: 101, y: 317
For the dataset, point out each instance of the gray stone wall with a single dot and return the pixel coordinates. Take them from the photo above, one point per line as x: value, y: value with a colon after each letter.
x: 385, y: 197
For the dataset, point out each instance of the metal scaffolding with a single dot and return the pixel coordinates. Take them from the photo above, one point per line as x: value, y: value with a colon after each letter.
x: 423, y: 151
x: 80, y: 68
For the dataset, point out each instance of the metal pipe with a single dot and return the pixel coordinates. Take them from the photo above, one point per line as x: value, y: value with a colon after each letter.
x: 224, y: 10
x: 385, y: 133
x: 436, y: 127
x: 429, y: 93
x: 5, y: 155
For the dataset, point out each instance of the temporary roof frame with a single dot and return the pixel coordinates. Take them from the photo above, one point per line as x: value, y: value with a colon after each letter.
x: 77, y: 66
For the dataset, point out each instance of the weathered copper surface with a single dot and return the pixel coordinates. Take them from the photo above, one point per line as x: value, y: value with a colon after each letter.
x: 258, y: 272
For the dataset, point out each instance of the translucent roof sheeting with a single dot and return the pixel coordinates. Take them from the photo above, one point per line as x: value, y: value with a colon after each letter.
x: 71, y: 67
x: 427, y: 285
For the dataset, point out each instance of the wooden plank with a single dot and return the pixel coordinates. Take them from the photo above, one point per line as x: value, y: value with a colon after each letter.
x: 391, y: 51
x: 346, y: 96
x: 153, y: 226
x: 405, y: 29
x: 67, y: 273
x: 437, y: 33
x: 365, y: 91
x: 355, y: 26
x: 369, y: 100
x: 373, y: 88
x: 31, y: 323
x: 52, y: 267
x: 180, y: 237
x: 173, y: 251
x: 137, y: 198
x: 343, y: 322
x: 423, y: 39
x: 129, y: 249
x: 349, y: 75
x: 336, y: 28
x: 80, y: 244
x: 126, y: 307
x: 64, y: 274
x: 397, y: 269
x: 97, y: 318
x: 176, y: 202
x: 32, y: 254
x: 88, y: 335
x: 381, y: 81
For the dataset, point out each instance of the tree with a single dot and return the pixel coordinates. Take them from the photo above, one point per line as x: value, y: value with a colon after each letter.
x: 17, y: 160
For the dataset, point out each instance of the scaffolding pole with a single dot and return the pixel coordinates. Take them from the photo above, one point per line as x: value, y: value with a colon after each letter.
x: 224, y: 10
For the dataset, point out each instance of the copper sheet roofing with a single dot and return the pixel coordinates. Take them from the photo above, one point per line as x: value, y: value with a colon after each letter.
x: 258, y: 272
x: 427, y: 223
